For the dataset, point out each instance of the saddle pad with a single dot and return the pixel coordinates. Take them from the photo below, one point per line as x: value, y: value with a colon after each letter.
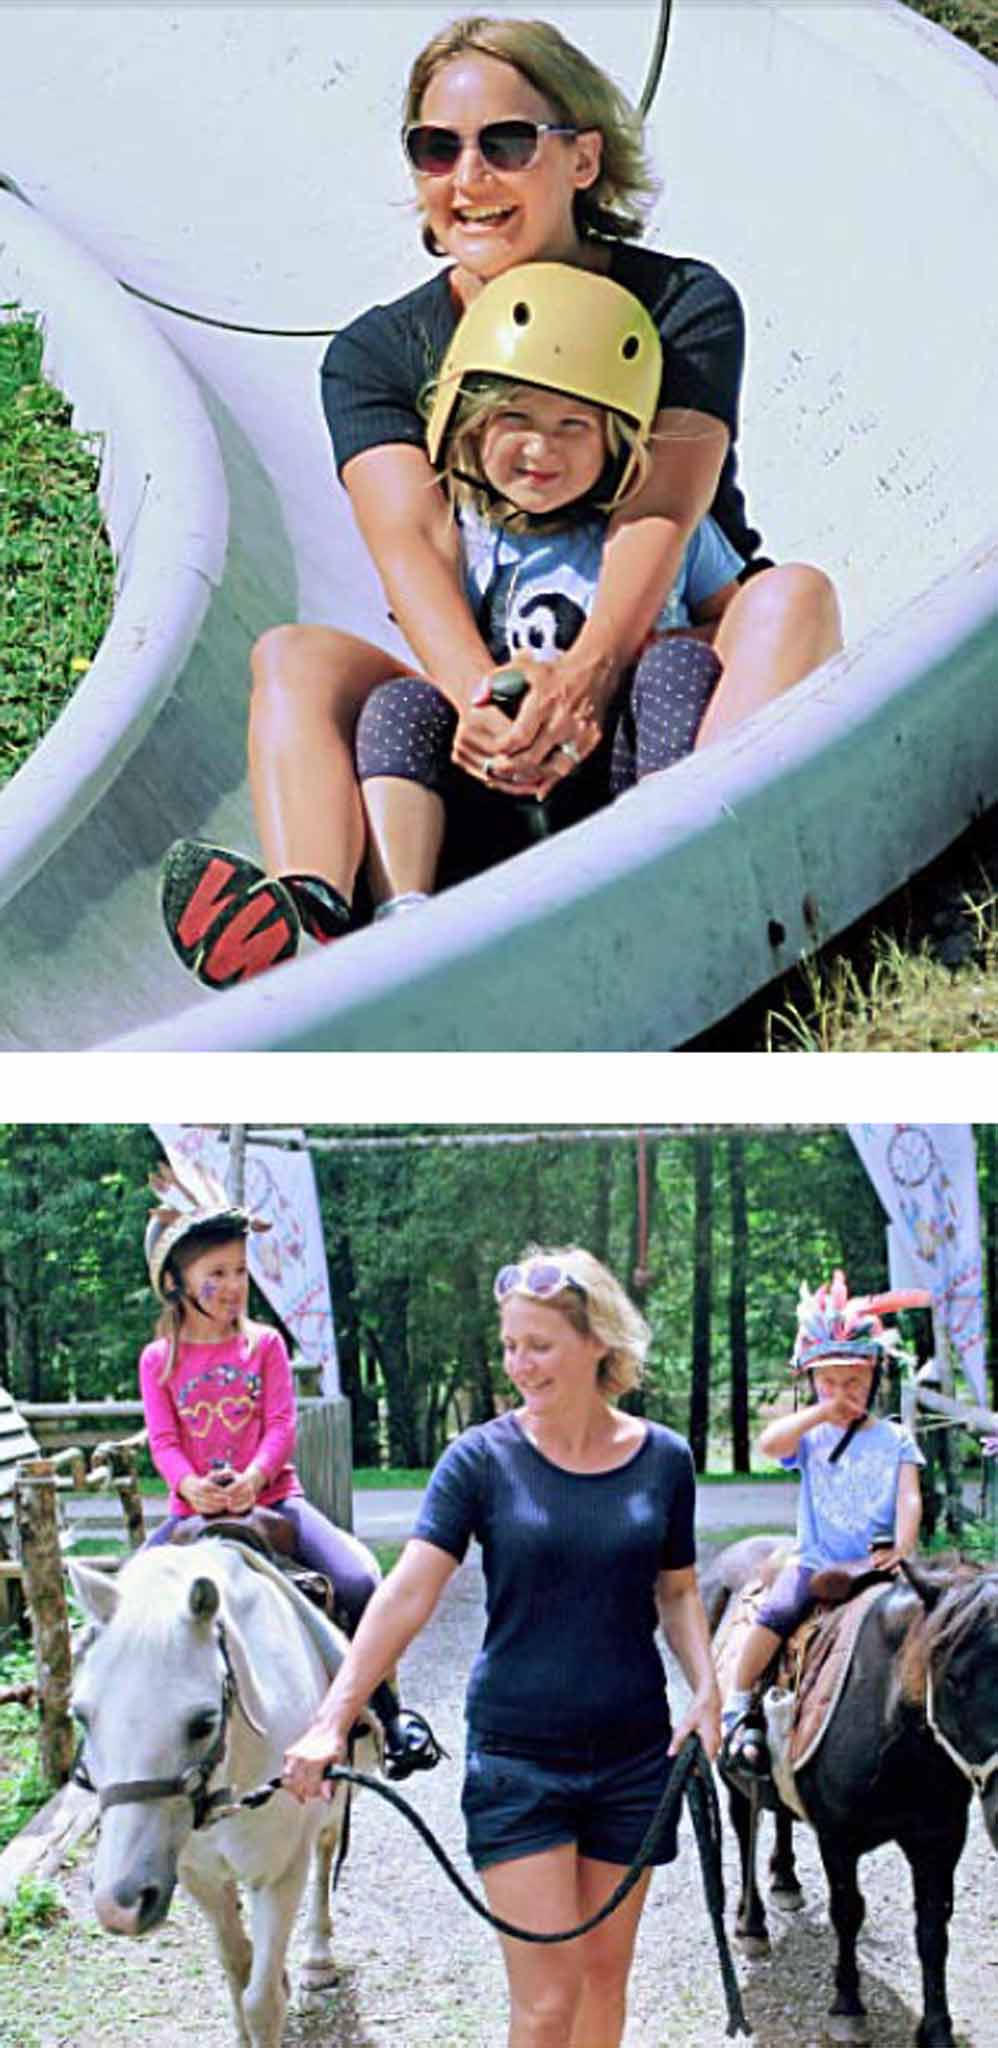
x: 819, y: 1665
x: 738, y: 1618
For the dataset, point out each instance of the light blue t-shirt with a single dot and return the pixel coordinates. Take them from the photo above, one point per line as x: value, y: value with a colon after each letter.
x: 532, y: 592
x: 845, y: 1506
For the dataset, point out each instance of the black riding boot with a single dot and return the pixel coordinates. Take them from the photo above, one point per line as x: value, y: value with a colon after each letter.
x: 410, y: 1744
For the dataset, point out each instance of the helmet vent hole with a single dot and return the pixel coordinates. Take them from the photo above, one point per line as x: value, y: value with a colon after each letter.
x: 629, y: 347
x: 521, y: 314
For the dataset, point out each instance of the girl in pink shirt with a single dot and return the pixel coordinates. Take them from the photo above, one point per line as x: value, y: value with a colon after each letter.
x: 219, y: 1405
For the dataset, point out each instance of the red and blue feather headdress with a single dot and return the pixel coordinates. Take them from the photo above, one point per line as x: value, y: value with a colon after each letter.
x: 832, y: 1325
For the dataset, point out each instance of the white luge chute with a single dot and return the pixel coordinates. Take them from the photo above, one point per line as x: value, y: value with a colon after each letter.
x: 840, y: 165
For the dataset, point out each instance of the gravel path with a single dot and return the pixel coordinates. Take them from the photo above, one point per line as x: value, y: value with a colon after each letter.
x: 418, y: 1970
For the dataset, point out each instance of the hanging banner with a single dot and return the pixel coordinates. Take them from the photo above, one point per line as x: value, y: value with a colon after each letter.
x: 926, y: 1177
x: 287, y: 1262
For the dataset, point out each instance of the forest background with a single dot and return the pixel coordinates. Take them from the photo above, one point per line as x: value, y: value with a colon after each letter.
x: 415, y: 1228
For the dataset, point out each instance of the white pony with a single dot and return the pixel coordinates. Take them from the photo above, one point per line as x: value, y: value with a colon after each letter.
x: 202, y: 1671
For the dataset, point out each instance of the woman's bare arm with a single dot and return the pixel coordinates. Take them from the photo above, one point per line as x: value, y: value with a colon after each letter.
x: 395, y: 1614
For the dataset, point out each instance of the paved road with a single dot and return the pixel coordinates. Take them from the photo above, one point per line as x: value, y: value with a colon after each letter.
x: 386, y: 1514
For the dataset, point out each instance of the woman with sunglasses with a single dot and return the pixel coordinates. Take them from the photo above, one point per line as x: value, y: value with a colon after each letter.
x: 585, y: 1519
x: 521, y: 150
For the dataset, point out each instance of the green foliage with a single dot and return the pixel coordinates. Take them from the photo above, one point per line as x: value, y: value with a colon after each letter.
x: 415, y: 1234
x: 23, y: 1788
x: 56, y: 566
x: 74, y: 1303
x: 36, y: 1904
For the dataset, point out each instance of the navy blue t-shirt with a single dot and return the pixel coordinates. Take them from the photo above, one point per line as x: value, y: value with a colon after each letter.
x: 376, y: 367
x: 570, y: 1562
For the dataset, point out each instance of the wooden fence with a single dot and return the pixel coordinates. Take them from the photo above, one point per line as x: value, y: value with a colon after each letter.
x: 324, y: 1456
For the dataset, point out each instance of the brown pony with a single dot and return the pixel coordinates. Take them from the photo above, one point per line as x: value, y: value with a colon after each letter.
x: 913, y: 1736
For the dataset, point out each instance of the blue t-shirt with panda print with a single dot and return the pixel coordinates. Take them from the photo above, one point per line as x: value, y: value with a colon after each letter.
x: 532, y: 592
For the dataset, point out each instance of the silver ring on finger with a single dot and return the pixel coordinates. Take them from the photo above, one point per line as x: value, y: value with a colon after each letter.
x: 569, y: 748
x: 488, y: 768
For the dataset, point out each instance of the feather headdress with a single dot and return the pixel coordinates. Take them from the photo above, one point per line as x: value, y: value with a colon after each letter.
x: 188, y: 1204
x: 832, y: 1324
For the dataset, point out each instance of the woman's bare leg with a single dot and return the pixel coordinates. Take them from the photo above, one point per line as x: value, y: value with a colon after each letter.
x: 405, y: 834
x: 545, y: 1984
x: 573, y: 1996
x: 309, y: 685
x: 782, y: 624
x: 607, y: 1954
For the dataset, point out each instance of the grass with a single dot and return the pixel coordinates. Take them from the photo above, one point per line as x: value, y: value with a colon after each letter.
x: 973, y: 21
x: 23, y: 1789
x: 368, y: 1477
x: 56, y: 566
x: 889, y: 998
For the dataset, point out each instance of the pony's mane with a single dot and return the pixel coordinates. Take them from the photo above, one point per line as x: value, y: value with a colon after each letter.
x: 968, y: 1599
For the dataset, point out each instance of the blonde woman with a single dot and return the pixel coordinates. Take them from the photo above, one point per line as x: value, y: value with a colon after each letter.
x: 219, y: 1405
x: 585, y: 1519
x: 522, y: 150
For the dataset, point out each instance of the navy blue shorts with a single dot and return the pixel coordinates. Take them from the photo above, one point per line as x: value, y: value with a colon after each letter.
x: 516, y: 1805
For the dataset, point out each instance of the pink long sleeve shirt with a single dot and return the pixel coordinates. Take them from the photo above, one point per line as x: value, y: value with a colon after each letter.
x: 230, y: 1403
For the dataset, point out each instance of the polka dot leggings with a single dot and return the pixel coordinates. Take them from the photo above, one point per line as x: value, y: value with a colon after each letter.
x: 407, y: 727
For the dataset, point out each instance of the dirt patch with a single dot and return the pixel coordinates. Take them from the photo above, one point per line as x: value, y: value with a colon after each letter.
x: 418, y: 1970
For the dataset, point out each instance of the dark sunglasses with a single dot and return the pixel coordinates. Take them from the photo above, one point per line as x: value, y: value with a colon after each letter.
x: 503, y: 145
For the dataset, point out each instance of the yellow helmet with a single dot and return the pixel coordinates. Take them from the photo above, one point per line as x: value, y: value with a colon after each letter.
x: 561, y: 327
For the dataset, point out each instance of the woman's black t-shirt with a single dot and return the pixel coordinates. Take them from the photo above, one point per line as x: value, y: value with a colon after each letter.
x: 570, y: 1562
x: 375, y: 369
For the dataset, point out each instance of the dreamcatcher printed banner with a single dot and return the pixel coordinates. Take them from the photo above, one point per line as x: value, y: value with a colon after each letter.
x: 288, y: 1261
x: 926, y: 1177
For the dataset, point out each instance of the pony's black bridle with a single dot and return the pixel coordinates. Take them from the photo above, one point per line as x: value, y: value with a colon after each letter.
x: 191, y: 1784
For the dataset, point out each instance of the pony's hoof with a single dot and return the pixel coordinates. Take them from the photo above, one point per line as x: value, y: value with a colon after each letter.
x: 318, y: 1975
x: 788, y: 1897
x: 752, y: 1944
x: 847, y: 2026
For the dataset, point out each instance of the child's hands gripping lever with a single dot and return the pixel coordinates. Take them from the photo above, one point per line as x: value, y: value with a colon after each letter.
x: 507, y: 692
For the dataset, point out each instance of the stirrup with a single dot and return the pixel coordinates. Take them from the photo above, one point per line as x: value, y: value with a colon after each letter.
x: 410, y: 1745
x: 744, y: 1749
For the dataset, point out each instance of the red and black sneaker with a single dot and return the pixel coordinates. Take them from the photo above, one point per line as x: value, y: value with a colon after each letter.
x: 227, y: 920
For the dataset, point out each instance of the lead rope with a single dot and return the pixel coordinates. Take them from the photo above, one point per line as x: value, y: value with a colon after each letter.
x: 691, y: 1775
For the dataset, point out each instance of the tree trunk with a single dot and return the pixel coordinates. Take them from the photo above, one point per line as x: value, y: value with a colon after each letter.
x: 404, y: 1447
x: 703, y: 1167
x: 737, y: 1325
x: 990, y: 1143
x: 473, y: 1345
x: 355, y: 1375
x: 601, y: 1207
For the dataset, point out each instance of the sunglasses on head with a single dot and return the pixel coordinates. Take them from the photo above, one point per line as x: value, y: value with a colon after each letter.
x: 540, y: 1277
x: 503, y: 145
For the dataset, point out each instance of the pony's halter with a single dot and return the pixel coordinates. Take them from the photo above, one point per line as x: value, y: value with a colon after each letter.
x: 191, y: 1784
x: 979, y: 1775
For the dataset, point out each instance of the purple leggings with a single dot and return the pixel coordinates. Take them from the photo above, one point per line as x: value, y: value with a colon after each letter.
x: 319, y: 1545
x: 787, y: 1601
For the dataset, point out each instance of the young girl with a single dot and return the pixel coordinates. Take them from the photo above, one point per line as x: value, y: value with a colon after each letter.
x: 859, y: 1475
x: 220, y: 1410
x: 540, y: 426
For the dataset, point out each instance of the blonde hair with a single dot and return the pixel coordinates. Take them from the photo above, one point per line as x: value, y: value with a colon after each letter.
x: 170, y: 1321
x: 602, y: 1310
x: 579, y: 93
x: 460, y: 470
